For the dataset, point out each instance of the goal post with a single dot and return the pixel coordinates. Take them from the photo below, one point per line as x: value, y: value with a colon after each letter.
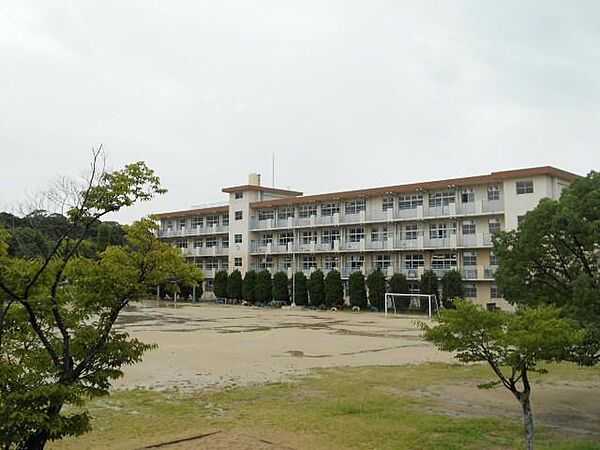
x: 407, y: 302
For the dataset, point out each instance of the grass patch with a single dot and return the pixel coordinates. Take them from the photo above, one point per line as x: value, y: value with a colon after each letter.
x: 342, y: 408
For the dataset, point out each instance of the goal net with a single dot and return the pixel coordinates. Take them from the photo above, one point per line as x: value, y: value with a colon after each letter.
x: 407, y: 303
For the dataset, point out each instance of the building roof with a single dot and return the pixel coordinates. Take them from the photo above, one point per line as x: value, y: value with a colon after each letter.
x: 192, y: 212
x: 412, y: 187
x: 270, y: 190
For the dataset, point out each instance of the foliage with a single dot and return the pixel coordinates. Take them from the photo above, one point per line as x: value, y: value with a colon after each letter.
x: 220, y: 284
x: 57, y: 310
x: 300, y: 289
x: 452, y: 287
x: 398, y: 284
x: 316, y: 288
x: 263, y: 287
x: 428, y: 284
x: 234, y: 285
x: 376, y: 285
x: 552, y: 258
x: 248, y: 286
x: 334, y: 289
x: 357, y: 290
x: 281, y: 290
x: 512, y: 344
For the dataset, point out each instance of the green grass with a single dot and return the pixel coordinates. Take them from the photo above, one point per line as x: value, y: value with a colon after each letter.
x: 343, y: 408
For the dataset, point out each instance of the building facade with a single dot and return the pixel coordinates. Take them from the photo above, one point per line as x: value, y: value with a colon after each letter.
x: 440, y: 225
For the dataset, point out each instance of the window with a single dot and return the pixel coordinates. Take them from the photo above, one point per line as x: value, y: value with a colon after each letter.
x: 237, y: 262
x: 211, y: 242
x: 467, y: 196
x: 239, y: 215
x: 225, y: 242
x: 493, y: 193
x: 382, y: 261
x: 414, y: 261
x: 357, y: 262
x: 494, y: 225
x: 266, y: 239
x: 444, y: 261
x: 443, y: 198
x: 470, y: 290
x: 197, y: 222
x: 329, y: 236
x: 239, y: 195
x: 212, y: 221
x: 308, y: 262
x: 284, y: 213
x: 182, y: 244
x: 211, y: 263
x: 266, y: 214
x: 468, y: 227
x: 286, y: 237
x: 355, y: 206
x: 285, y: 264
x: 181, y: 224
x: 356, y: 234
x: 237, y: 238
x: 198, y: 243
x: 309, y: 236
x: 331, y: 262
x: 305, y: 211
x: 266, y: 262
x: 495, y: 291
x: 520, y: 220
x: 490, y: 306
x: 167, y: 225
x: 411, y: 232
x: 525, y: 187
x: 379, y: 234
x: 225, y: 221
x: 441, y: 230
x: 410, y: 201
x: 329, y: 209
x: 494, y: 259
x: 387, y: 203
x: 470, y: 258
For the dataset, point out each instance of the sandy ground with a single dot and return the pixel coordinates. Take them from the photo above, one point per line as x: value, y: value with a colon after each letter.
x: 218, y: 346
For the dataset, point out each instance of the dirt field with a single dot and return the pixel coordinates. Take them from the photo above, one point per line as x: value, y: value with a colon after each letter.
x: 218, y: 346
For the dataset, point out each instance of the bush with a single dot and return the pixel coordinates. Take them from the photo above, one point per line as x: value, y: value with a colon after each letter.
x: 376, y: 285
x: 334, y: 289
x: 300, y: 289
x: 263, y: 288
x: 398, y: 284
x: 428, y: 285
x: 281, y: 291
x: 357, y: 290
x: 248, y: 286
x: 234, y: 285
x: 220, y: 284
x: 452, y: 287
x: 316, y: 288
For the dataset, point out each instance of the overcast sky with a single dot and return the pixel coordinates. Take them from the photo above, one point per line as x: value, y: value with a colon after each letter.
x: 346, y: 94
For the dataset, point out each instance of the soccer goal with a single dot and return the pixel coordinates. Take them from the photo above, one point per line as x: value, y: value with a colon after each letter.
x: 398, y: 303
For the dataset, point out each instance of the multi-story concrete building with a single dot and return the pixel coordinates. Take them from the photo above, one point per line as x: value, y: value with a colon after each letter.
x: 440, y: 225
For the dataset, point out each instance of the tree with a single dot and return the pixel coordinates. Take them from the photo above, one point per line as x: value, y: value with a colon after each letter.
x: 398, y: 284
x: 376, y: 285
x: 281, y: 291
x: 334, y: 289
x: 51, y: 353
x: 512, y: 344
x: 552, y: 258
x: 220, y: 284
x: 357, y: 290
x: 248, y: 286
x: 234, y: 285
x: 452, y: 287
x: 300, y: 289
x: 263, y: 287
x: 316, y: 288
x: 428, y: 284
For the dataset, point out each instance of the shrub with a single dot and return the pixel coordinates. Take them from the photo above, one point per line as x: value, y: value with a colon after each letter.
x: 248, y: 286
x: 428, y: 285
x: 263, y: 288
x: 220, y: 284
x: 398, y: 284
x: 316, y: 288
x: 234, y: 285
x: 357, y: 290
x: 452, y: 287
x: 376, y: 285
x: 281, y: 292
x: 300, y: 289
x: 334, y: 289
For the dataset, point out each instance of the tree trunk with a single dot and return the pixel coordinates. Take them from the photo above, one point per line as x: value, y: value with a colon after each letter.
x: 528, y: 422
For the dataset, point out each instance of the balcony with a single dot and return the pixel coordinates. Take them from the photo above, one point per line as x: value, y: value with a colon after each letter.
x: 347, y: 271
x: 188, y: 231
x: 444, y: 242
x: 436, y: 211
x: 489, y: 272
x: 475, y: 240
x: 413, y: 274
x: 470, y: 272
x: 206, y: 251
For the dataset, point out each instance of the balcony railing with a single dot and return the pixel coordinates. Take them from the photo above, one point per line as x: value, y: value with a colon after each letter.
x: 190, y: 231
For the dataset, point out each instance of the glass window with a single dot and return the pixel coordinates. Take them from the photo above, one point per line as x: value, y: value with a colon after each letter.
x: 331, y: 262
x: 225, y: 220
x: 520, y: 220
x: 379, y: 234
x: 306, y: 211
x: 468, y: 227
x: 525, y: 187
x: 490, y: 306
x: 493, y: 193
x: 443, y: 261
x: 286, y: 237
x: 356, y: 261
x: 355, y: 206
x: 470, y: 258
x: 414, y: 260
x: 329, y: 209
x: 225, y: 242
x: 211, y: 242
x: 387, y: 203
x: 181, y: 224
x: 494, y: 259
x: 237, y: 238
x: 495, y: 291
x: 356, y: 234
x: 309, y: 236
x: 266, y: 239
x: 198, y: 243
x: 441, y: 230
x: 470, y: 290
x: 443, y: 198
x: 212, y: 221
x: 182, y: 244
x: 494, y: 225
x: 197, y: 222
x: 237, y: 262
x: 308, y: 262
x: 211, y: 263
x: 329, y: 236
x: 411, y: 231
x: 410, y: 201
x: 239, y: 195
x: 284, y: 213
x: 239, y: 215
x: 382, y: 261
x: 467, y: 196
x: 265, y: 214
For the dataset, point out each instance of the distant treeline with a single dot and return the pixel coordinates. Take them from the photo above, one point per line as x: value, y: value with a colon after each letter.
x: 34, y: 235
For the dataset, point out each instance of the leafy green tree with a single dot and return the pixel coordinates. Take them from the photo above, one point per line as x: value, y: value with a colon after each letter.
x: 300, y: 289
x: 376, y: 285
x: 357, y: 290
x: 316, y: 288
x: 234, y: 285
x: 334, y: 289
x: 452, y: 287
x: 51, y: 354
x: 220, y: 284
x: 281, y: 291
x: 428, y: 284
x: 263, y: 288
x: 248, y: 286
x: 398, y: 284
x: 511, y: 344
x: 552, y: 258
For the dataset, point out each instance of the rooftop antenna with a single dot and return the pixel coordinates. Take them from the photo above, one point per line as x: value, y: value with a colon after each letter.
x: 273, y: 169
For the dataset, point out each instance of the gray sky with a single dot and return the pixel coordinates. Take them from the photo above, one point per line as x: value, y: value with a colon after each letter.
x: 347, y: 94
